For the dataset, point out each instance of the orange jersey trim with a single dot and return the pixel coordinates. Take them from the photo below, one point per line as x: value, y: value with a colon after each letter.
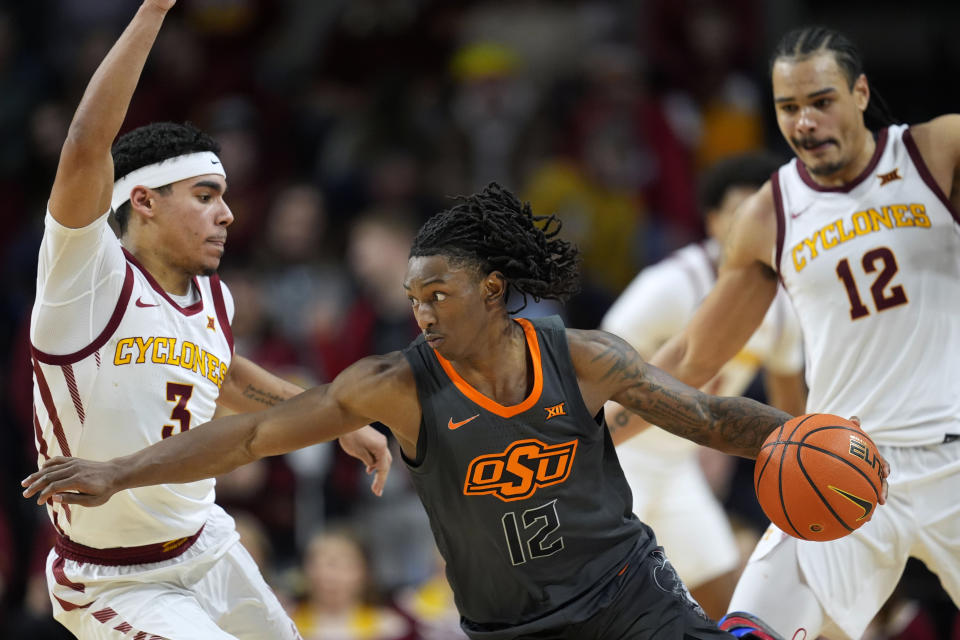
x: 490, y: 405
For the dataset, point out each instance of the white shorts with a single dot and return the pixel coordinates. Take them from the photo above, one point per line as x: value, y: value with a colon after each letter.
x: 849, y: 579
x: 690, y: 525
x: 212, y: 591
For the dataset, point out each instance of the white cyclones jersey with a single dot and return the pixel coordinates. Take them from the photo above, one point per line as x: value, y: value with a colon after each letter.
x: 118, y: 365
x: 660, y: 301
x: 873, y: 269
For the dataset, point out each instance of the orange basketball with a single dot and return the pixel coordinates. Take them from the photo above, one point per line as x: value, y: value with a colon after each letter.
x: 817, y: 477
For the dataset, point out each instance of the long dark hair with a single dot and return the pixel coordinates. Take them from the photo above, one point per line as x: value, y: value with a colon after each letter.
x: 496, y: 232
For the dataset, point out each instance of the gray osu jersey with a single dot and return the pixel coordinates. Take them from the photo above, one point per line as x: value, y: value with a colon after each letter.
x: 527, y: 503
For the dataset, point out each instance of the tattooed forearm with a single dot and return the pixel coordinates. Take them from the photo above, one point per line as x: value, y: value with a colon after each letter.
x: 734, y: 425
x: 622, y: 362
x: 743, y: 424
x: 263, y: 397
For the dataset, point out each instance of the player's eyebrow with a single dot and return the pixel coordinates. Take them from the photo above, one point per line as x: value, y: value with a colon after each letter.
x: 210, y: 184
x: 811, y: 95
x: 428, y: 281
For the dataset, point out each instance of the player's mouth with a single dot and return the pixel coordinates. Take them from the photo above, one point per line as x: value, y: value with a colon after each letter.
x: 433, y: 339
x: 220, y: 242
x: 814, y: 146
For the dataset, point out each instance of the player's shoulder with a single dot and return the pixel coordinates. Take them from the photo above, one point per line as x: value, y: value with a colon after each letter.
x: 388, y: 368
x: 753, y: 235
x: 759, y: 207
x: 377, y: 381
x: 589, y: 346
x: 938, y: 137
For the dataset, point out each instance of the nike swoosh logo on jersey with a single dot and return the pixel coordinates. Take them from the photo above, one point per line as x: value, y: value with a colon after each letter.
x: 796, y: 214
x: 141, y: 303
x: 456, y: 425
x: 866, y: 505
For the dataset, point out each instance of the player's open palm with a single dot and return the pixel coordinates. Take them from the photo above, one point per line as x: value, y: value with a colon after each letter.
x: 72, y: 481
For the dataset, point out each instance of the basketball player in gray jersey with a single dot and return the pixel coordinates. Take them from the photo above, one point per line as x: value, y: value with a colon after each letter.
x: 501, y: 422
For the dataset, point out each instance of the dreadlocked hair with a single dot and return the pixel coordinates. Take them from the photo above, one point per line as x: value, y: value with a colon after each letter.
x: 151, y: 144
x: 808, y: 41
x: 493, y: 230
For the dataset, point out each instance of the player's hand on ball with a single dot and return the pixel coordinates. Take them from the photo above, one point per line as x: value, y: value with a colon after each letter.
x: 72, y: 481
x: 884, y: 467
x: 370, y: 447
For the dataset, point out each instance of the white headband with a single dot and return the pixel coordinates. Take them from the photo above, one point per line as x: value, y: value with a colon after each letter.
x: 165, y: 172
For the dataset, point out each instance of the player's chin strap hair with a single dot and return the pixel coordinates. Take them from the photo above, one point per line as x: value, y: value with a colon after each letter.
x: 165, y: 172
x: 744, y: 625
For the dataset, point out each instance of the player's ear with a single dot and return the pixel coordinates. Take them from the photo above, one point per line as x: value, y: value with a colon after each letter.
x: 861, y: 92
x: 142, y: 201
x: 494, y: 286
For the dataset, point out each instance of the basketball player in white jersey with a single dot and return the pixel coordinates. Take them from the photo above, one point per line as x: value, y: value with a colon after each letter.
x: 670, y: 491
x: 131, y: 344
x: 863, y: 229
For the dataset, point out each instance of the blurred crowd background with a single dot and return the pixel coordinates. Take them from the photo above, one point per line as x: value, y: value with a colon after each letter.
x: 344, y: 124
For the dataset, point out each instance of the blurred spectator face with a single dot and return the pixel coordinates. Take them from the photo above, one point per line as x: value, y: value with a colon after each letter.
x: 378, y: 256
x: 711, y: 34
x: 297, y: 222
x: 177, y: 55
x: 233, y: 124
x: 719, y: 219
x: 826, y: 130
x: 395, y: 178
x: 336, y: 572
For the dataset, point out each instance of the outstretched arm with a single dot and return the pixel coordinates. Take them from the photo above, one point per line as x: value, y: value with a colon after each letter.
x: 84, y: 181
x: 734, y: 308
x: 609, y: 369
x: 375, y: 388
x: 250, y: 387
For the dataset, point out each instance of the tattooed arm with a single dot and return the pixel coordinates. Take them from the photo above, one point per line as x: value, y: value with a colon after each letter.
x: 249, y: 387
x: 609, y: 369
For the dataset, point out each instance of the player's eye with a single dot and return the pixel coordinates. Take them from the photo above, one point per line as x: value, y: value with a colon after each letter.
x: 788, y: 108
x: 822, y: 103
x: 439, y: 296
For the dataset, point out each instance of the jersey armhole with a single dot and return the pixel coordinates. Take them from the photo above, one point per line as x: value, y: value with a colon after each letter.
x: 100, y: 340
x: 781, y: 221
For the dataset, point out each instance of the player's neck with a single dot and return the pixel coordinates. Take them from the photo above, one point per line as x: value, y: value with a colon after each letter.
x: 499, y: 366
x: 171, y: 279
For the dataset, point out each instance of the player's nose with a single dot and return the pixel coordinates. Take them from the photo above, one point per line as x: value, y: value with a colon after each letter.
x: 225, y: 218
x: 424, y: 315
x: 806, y: 121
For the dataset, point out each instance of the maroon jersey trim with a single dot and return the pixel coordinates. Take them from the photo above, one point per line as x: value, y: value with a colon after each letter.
x: 781, y: 219
x: 924, y: 170
x: 123, y: 556
x: 221, y: 308
x: 193, y: 309
x: 100, y: 340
